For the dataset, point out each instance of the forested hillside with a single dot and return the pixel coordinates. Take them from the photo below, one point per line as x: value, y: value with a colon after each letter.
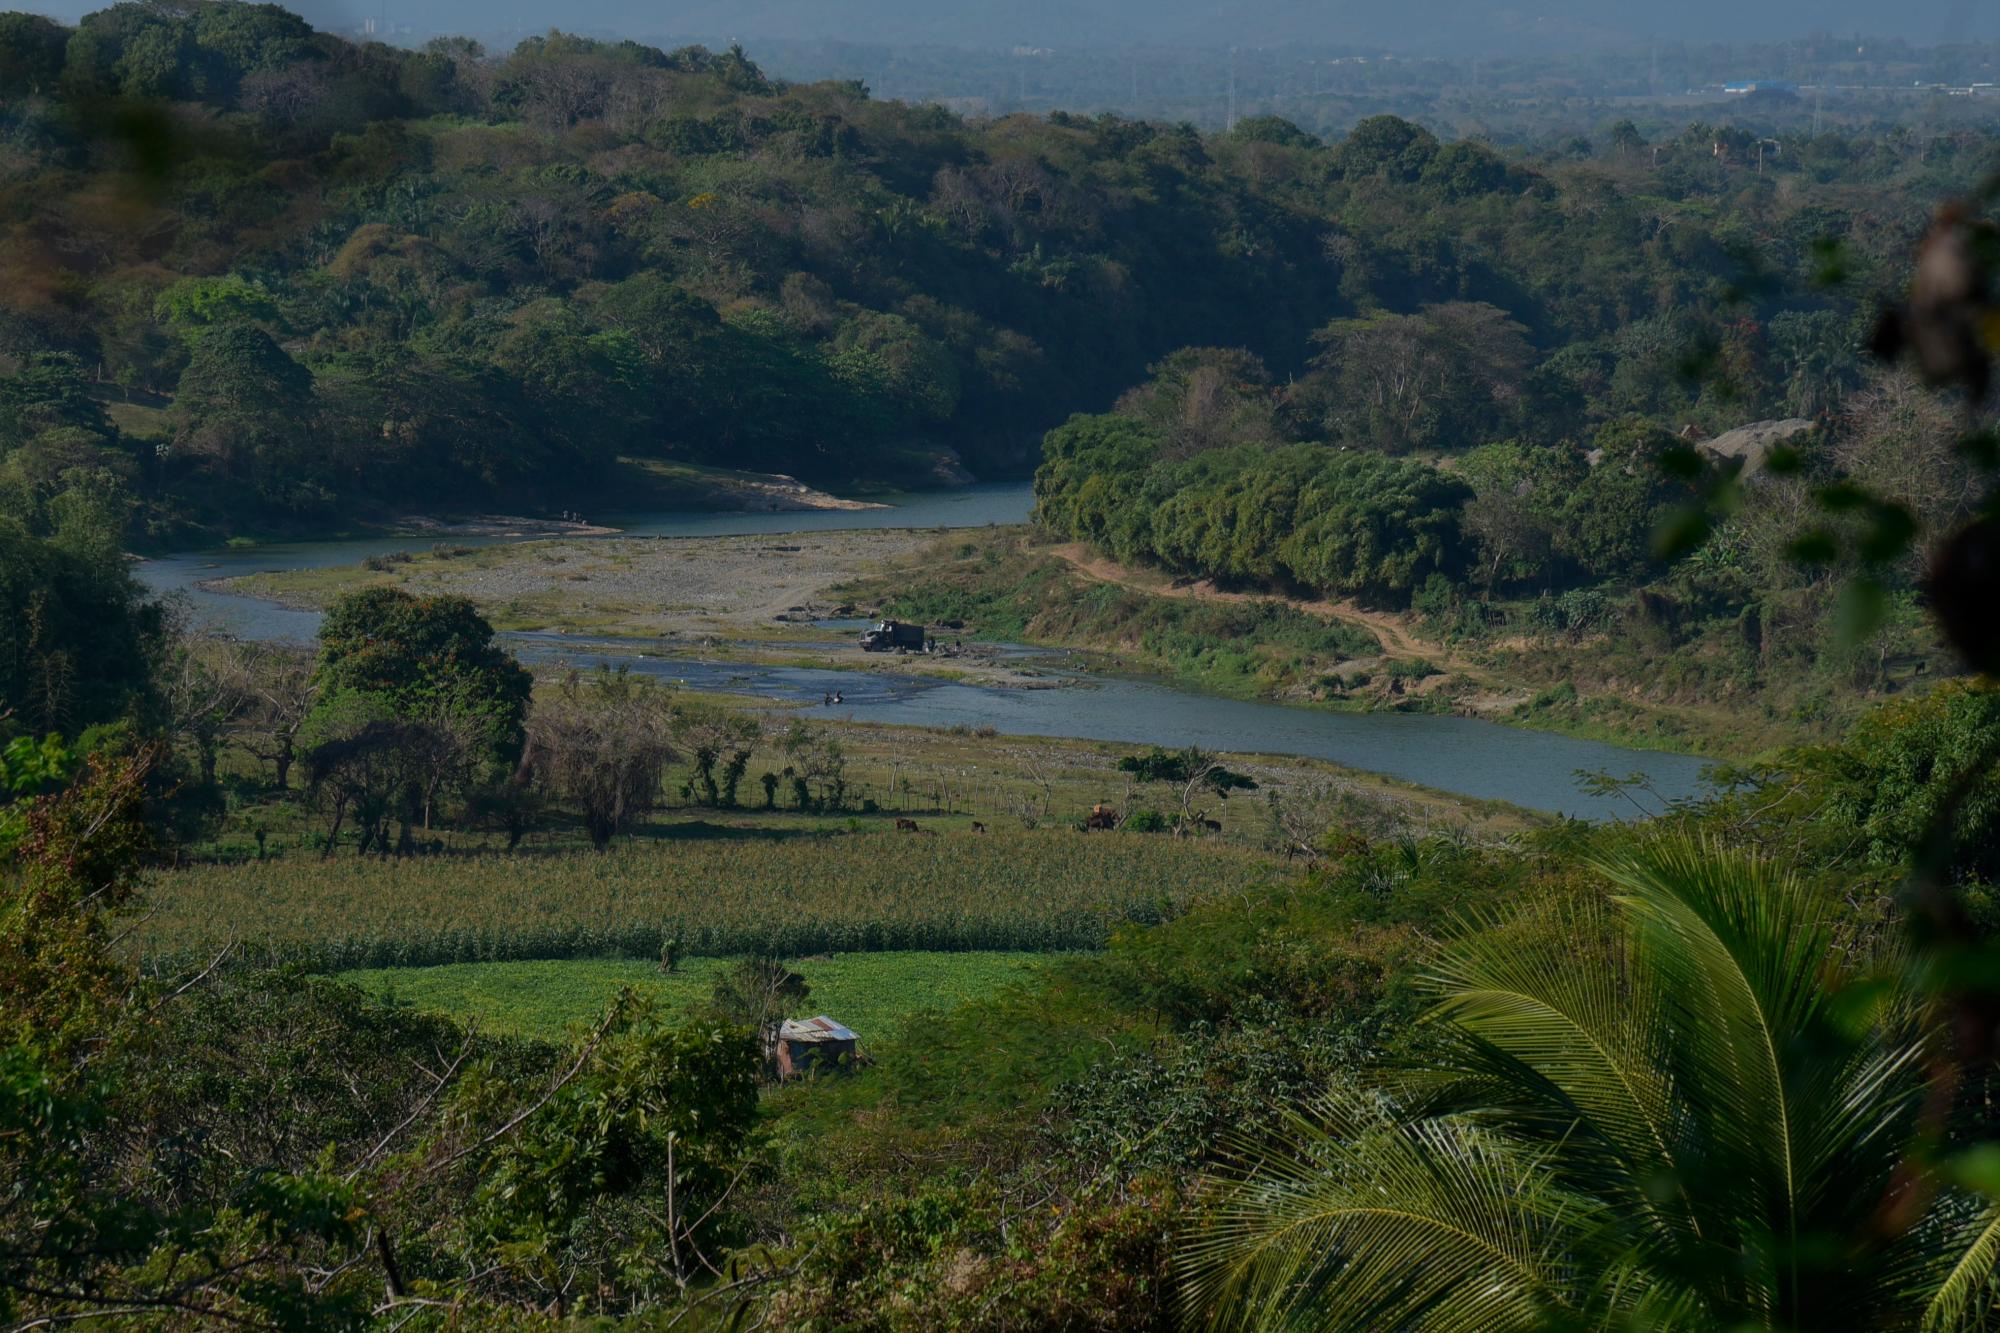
x: 255, y: 277
x: 1594, y: 511
x: 396, y: 982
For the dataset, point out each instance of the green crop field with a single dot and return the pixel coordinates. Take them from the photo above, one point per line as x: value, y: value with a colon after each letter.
x: 784, y: 896
x: 869, y: 992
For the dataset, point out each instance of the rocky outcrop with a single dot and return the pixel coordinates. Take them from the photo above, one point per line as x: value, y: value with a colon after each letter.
x: 1752, y: 444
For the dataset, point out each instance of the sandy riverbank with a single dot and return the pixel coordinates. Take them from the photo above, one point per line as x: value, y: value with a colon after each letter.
x: 498, y: 526
x: 772, y: 493
x: 640, y: 587
x: 757, y: 594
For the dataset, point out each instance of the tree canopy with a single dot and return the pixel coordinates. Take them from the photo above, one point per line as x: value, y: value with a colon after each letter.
x: 424, y: 654
x: 398, y: 279
x: 76, y: 644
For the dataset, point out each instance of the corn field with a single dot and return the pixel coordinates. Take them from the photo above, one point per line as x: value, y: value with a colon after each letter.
x: 790, y: 897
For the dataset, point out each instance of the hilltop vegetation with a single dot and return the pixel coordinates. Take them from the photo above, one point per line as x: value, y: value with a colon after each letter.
x: 258, y: 277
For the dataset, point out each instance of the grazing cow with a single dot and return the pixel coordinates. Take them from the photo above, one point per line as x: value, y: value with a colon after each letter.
x: 978, y: 827
x: 1101, y: 817
x: 906, y: 826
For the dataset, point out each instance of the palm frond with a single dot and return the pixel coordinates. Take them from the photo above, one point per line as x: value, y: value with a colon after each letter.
x: 1343, y: 1219
x: 1965, y: 1290
x: 1739, y: 951
x: 1562, y: 1034
x: 1642, y: 1115
x: 1799, y: 1121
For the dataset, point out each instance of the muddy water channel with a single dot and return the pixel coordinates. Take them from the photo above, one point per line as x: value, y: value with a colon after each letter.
x: 1537, y: 770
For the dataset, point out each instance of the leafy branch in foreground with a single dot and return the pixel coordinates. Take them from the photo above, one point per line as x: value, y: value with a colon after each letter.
x: 196, y: 1152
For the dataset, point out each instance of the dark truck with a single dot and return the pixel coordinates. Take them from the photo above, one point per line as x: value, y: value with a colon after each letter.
x: 894, y: 636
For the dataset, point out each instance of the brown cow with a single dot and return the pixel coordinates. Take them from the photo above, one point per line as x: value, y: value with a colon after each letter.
x: 906, y: 826
x: 1101, y: 817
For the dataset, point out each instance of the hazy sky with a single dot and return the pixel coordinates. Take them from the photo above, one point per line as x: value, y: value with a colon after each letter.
x: 1463, y: 27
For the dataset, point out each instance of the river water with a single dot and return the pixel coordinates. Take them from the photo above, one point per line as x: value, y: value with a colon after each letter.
x: 1537, y: 770
x: 249, y: 618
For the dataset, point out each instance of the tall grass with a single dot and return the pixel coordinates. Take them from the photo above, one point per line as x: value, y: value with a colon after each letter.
x: 791, y: 897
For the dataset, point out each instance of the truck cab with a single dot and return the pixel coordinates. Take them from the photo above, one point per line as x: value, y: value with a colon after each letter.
x: 893, y: 636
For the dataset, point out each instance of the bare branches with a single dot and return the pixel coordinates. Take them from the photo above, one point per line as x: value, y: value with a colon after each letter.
x: 439, y: 1083
x: 602, y: 743
x: 515, y: 1121
x: 205, y: 689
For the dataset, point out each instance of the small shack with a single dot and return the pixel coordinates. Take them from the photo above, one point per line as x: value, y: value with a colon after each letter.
x: 808, y: 1044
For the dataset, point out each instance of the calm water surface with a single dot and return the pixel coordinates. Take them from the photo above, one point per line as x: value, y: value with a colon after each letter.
x: 1534, y: 769
x: 249, y: 618
x: 1463, y: 755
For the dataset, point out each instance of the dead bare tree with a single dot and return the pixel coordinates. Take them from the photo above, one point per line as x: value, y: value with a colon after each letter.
x: 1039, y: 768
x: 1199, y: 778
x: 1897, y: 439
x: 283, y: 97
x: 205, y: 691
x: 636, y: 98
x: 1299, y: 816
x: 558, y: 92
x: 279, y: 681
x: 602, y: 744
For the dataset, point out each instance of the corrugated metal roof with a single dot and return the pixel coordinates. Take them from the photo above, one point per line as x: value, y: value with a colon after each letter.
x: 821, y: 1028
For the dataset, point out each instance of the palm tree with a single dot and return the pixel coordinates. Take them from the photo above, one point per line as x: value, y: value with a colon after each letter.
x: 1668, y: 1110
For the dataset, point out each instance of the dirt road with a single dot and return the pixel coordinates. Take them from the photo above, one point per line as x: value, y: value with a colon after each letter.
x: 1389, y: 630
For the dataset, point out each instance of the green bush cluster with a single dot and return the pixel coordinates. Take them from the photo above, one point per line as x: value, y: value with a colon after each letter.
x: 1336, y: 522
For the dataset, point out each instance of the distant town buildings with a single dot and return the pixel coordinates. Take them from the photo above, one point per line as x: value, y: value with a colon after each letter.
x: 381, y: 28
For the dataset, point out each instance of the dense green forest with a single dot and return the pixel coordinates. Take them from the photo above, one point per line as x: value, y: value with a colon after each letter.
x: 1674, y: 559
x: 1529, y: 473
x: 1256, y: 1044
x: 257, y: 277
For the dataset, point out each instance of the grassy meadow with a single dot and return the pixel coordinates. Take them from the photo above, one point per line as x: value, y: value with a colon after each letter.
x: 942, y: 778
x: 545, y: 998
x: 737, y: 892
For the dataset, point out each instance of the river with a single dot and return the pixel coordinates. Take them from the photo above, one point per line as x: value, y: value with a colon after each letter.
x: 250, y: 618
x: 1537, y: 770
